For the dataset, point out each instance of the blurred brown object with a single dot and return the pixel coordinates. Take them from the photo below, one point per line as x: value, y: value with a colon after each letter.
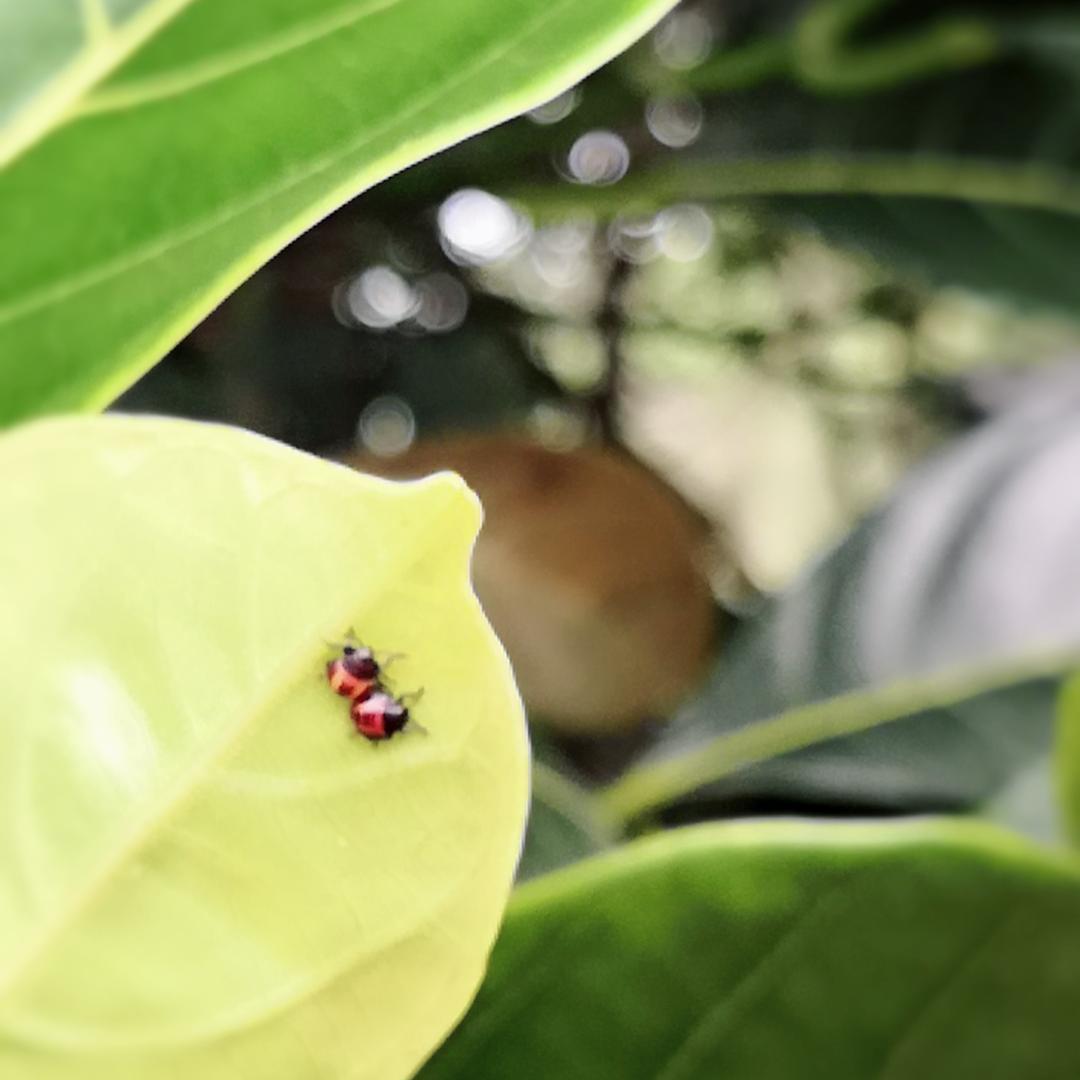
x: 591, y: 570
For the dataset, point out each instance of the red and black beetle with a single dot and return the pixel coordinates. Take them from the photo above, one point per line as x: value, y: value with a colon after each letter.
x: 355, y: 673
x: 380, y: 716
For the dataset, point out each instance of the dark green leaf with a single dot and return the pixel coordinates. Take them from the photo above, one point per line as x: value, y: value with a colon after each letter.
x: 753, y: 952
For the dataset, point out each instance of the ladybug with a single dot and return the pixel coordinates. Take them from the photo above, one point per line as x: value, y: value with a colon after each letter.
x: 379, y: 716
x: 354, y: 674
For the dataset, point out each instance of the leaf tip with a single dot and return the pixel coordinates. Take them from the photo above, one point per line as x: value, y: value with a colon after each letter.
x: 450, y: 487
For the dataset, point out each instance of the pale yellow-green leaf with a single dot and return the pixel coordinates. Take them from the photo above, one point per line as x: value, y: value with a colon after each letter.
x: 206, y: 872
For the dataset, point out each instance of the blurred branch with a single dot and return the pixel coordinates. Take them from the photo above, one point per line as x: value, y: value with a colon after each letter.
x: 661, y: 782
x: 819, y: 51
x: 611, y: 322
x: 916, y: 175
x: 825, y: 58
x: 741, y: 66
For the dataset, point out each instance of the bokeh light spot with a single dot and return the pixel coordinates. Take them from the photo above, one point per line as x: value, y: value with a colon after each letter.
x: 387, y: 426
x: 635, y: 239
x: 684, y: 232
x: 558, y: 108
x: 443, y: 303
x: 598, y: 157
x: 683, y: 40
x: 477, y: 227
x: 379, y: 298
x: 674, y: 121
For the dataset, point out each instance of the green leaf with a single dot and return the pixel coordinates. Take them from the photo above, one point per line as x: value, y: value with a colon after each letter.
x: 53, y: 51
x: 786, y: 950
x: 1067, y: 756
x: 932, y: 638
x: 207, y: 873
x: 234, y: 127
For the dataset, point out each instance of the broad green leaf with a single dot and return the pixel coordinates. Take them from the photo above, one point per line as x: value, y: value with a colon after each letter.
x: 1067, y: 755
x: 206, y: 872
x: 52, y: 51
x: 786, y: 951
x: 228, y: 131
x: 932, y: 638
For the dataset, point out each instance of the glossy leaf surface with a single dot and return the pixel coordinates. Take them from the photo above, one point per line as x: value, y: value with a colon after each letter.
x: 786, y: 950
x: 139, y: 200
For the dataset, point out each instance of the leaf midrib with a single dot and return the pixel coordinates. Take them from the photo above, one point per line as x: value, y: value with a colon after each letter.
x: 188, y: 782
x: 104, y: 52
x: 231, y: 62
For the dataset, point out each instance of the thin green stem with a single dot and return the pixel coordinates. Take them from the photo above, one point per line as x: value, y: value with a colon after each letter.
x: 825, y: 58
x: 661, y: 782
x: 1034, y: 187
x: 742, y: 66
x: 820, y: 52
x: 573, y: 802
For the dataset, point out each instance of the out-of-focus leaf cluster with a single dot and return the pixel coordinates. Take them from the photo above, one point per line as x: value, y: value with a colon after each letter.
x: 769, y: 252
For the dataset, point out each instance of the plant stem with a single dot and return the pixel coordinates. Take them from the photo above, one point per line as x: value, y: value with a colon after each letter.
x: 660, y: 782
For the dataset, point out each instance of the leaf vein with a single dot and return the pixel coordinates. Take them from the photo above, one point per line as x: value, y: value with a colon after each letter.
x: 892, y: 1064
x: 88, y: 66
x: 175, y: 797
x: 73, y: 284
x: 155, y: 88
x: 684, y: 1059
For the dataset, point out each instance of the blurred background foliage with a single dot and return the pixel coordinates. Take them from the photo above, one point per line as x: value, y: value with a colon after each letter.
x: 746, y: 277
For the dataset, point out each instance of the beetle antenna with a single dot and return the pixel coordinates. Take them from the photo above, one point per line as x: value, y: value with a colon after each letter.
x: 350, y: 639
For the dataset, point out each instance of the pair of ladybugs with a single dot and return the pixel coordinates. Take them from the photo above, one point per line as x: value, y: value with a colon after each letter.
x: 356, y: 674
